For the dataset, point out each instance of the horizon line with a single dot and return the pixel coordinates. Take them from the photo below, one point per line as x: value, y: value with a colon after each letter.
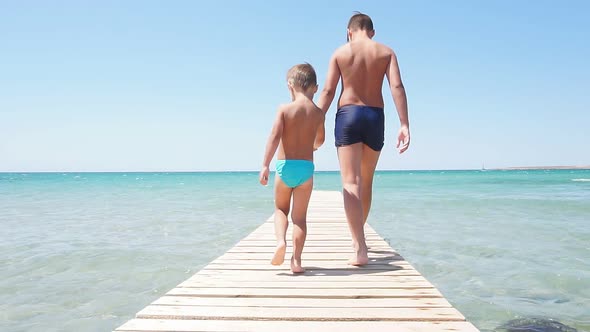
x: 584, y: 167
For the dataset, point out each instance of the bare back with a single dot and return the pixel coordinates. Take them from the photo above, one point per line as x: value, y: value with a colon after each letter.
x: 301, y: 121
x: 363, y: 65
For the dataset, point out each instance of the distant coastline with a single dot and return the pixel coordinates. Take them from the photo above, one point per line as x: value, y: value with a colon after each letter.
x: 539, y: 167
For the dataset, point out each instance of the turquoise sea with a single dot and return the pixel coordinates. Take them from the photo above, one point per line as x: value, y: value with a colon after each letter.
x: 86, y: 251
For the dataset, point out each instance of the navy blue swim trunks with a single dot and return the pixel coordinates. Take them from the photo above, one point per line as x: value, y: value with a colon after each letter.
x: 359, y: 123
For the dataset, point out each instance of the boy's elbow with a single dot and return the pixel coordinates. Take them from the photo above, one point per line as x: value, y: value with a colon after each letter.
x: 276, y: 133
x: 276, y: 139
x: 398, y: 90
x: 319, y: 141
x: 328, y: 92
x: 317, y: 145
x: 399, y: 86
x: 273, y: 139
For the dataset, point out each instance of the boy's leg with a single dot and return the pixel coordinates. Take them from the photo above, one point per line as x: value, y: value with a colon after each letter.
x: 369, y: 161
x: 301, y: 196
x: 349, y: 157
x: 282, y: 205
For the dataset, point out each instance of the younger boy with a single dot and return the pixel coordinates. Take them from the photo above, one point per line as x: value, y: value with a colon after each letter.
x: 294, y: 134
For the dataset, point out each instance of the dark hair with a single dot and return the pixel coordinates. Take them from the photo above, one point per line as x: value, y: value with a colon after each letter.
x: 302, y: 76
x: 360, y: 21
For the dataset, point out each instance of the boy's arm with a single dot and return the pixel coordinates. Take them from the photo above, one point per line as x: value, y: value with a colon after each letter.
x: 271, y: 146
x: 329, y: 90
x: 398, y: 93
x: 320, y: 135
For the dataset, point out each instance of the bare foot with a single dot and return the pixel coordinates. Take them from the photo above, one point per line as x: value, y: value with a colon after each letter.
x: 359, y: 259
x: 296, y: 266
x: 279, y: 256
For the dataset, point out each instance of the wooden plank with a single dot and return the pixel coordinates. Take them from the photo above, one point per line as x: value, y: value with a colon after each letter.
x: 335, y: 293
x: 312, y: 237
x: 310, y: 243
x: 320, y: 233
x: 244, y: 275
x: 280, y: 313
x: 314, y: 256
x: 336, y: 225
x: 230, y: 275
x: 241, y: 291
x: 336, y: 260
x: 213, y: 282
x: 316, y: 235
x: 304, y: 302
x: 315, y: 228
x: 155, y: 325
x: 307, y: 250
x: 335, y: 264
x: 313, y: 266
x: 349, y: 273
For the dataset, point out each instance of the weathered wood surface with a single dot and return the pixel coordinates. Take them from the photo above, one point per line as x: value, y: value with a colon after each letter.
x: 241, y: 291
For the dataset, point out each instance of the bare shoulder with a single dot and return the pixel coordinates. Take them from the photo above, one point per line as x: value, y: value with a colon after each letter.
x: 311, y: 108
x: 384, y: 49
x: 341, y: 51
x: 285, y: 108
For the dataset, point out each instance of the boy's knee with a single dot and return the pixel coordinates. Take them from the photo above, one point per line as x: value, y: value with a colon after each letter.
x: 352, y: 180
x: 351, y: 186
x: 283, y: 210
x: 301, y: 222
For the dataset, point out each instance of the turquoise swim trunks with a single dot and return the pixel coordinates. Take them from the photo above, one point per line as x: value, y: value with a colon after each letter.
x: 295, y: 172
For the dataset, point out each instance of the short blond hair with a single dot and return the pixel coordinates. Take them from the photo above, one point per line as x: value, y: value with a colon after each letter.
x: 302, y: 76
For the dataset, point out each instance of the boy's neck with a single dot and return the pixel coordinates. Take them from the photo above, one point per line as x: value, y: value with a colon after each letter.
x: 360, y: 34
x: 297, y: 95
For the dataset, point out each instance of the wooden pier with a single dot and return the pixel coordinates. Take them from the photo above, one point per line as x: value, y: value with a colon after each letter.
x: 241, y: 291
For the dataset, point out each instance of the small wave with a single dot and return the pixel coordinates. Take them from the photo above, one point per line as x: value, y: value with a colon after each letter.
x: 581, y: 180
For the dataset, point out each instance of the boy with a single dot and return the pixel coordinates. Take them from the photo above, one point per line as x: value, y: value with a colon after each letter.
x: 294, y: 134
x: 362, y: 64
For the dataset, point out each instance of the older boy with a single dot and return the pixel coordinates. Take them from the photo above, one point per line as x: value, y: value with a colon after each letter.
x: 359, y: 133
x: 293, y: 133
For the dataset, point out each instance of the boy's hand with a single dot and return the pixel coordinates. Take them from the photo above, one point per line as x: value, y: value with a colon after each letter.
x: 263, y: 177
x: 403, y: 139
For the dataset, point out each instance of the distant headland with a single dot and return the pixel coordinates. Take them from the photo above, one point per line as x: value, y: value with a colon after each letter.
x: 541, y: 167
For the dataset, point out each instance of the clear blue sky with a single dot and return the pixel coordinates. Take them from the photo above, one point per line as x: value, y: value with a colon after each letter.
x: 194, y: 85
